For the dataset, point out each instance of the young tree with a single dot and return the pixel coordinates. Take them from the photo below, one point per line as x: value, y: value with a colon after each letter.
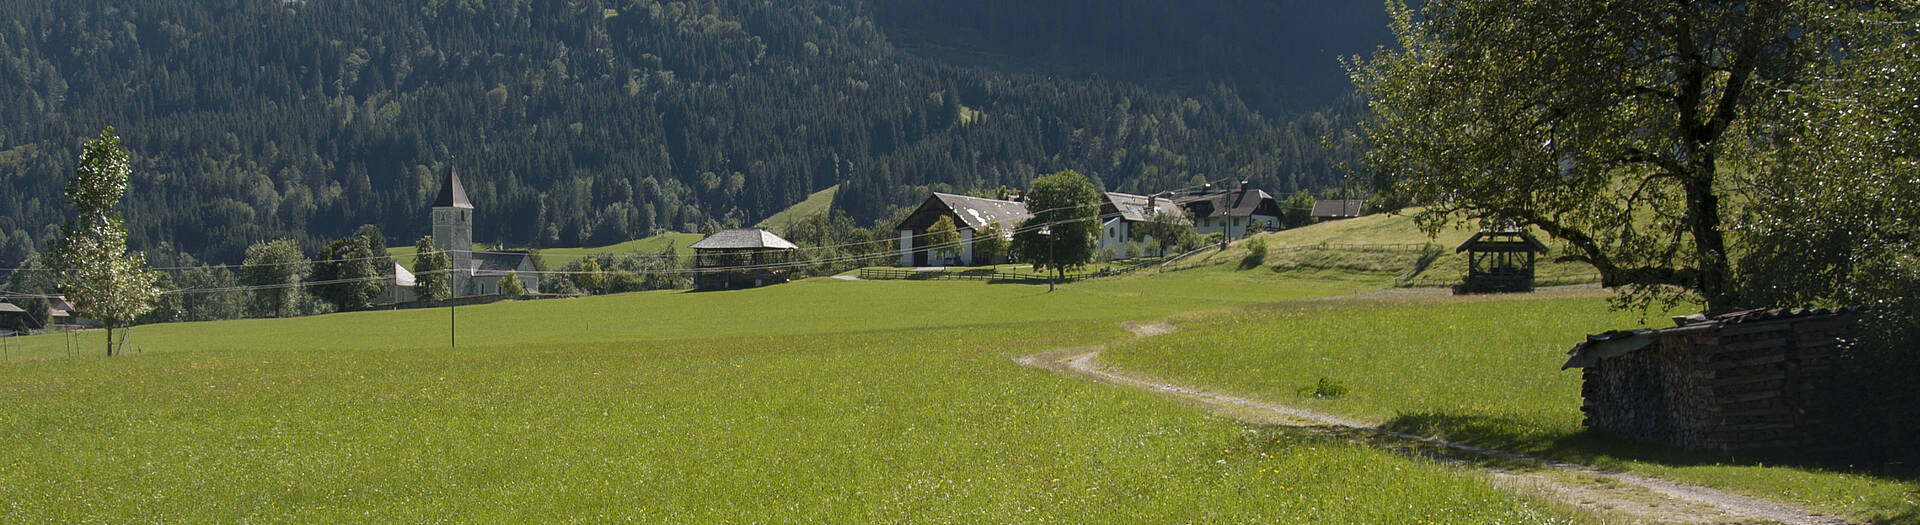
x: 96, y: 273
x: 591, y: 279
x: 213, y: 293
x: 431, y: 272
x: 1610, y: 126
x: 1169, y: 231
x: 1064, y: 226
x: 510, y: 285
x: 990, y: 242
x: 1297, y: 211
x: 275, y: 269
x: 943, y: 239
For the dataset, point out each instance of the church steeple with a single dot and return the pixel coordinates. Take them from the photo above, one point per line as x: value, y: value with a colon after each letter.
x: 452, y: 194
x: 453, y: 230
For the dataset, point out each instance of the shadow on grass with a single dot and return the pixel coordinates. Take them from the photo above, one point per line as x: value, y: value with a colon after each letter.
x: 1611, y: 452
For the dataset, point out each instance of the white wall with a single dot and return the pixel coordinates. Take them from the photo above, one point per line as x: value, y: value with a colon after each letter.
x: 906, y: 247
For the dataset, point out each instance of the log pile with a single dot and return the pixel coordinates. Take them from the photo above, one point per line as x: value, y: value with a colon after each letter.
x: 1755, y: 381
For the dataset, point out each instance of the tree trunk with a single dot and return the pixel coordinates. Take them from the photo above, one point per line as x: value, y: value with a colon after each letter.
x: 1710, y: 248
x: 109, y: 339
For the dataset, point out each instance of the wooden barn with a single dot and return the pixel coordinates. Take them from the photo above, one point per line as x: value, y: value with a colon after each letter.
x: 1755, y: 381
x: 741, y: 258
x: 1499, y: 261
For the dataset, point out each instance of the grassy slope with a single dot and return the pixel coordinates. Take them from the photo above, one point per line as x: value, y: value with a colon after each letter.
x: 821, y: 400
x: 1483, y: 370
x: 1317, y: 250
x: 559, y: 256
x: 815, y: 204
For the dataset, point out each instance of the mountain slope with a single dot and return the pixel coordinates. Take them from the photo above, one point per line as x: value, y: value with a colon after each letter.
x: 572, y: 122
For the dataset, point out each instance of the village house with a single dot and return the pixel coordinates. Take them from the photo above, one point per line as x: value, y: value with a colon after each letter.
x: 1336, y: 209
x: 970, y: 215
x: 1119, y: 212
x: 741, y: 258
x: 474, y: 273
x: 1235, y: 212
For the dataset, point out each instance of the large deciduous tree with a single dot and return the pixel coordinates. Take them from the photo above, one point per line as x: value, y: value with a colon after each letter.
x: 274, y: 270
x: 1631, y: 130
x: 348, y: 273
x: 1061, y: 234
x: 95, y: 271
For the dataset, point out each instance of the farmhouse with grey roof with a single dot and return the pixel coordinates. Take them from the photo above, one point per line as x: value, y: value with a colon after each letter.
x: 971, y: 215
x: 1120, y: 211
x: 1232, y: 211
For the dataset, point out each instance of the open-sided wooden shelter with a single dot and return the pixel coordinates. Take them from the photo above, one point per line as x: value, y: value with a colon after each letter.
x: 741, y: 258
x: 1499, y: 261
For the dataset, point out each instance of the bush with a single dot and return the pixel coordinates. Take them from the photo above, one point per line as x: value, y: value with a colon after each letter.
x: 1256, y: 253
x: 1326, y: 388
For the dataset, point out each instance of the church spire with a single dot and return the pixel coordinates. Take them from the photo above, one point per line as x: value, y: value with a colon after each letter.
x: 452, y: 194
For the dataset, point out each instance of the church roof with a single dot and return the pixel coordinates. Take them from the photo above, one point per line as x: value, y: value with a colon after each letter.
x: 452, y: 194
x: 498, y: 262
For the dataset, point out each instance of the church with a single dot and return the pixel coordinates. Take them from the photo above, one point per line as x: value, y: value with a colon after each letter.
x: 474, y: 273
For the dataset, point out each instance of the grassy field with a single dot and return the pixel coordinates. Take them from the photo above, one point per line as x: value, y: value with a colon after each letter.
x: 822, y: 400
x: 815, y: 204
x: 560, y: 256
x: 1483, y: 370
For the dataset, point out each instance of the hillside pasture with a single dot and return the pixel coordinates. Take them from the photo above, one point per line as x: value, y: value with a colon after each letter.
x: 1389, y: 246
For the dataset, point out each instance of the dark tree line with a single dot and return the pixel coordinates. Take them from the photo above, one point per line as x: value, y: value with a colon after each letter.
x: 574, y: 122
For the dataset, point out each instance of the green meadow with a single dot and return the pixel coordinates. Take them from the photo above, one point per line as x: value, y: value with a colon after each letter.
x: 820, y: 400
x: 832, y: 399
x: 1480, y: 370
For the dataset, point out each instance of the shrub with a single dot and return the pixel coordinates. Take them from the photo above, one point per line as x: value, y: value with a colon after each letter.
x: 1326, y: 388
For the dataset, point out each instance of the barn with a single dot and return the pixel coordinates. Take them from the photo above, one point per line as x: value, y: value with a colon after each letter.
x: 970, y: 215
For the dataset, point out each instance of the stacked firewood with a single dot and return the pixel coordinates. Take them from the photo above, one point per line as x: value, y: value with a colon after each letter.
x: 1760, y: 382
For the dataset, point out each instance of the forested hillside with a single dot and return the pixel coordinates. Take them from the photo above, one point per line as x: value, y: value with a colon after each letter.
x: 593, y: 121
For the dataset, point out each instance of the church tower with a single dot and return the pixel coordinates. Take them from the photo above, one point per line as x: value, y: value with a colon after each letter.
x: 453, y: 231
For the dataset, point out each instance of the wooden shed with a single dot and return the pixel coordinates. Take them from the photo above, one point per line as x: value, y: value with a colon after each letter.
x: 741, y: 258
x: 1756, y: 381
x: 1499, y: 261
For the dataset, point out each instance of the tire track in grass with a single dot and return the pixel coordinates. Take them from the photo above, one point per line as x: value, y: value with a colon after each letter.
x: 1633, y: 497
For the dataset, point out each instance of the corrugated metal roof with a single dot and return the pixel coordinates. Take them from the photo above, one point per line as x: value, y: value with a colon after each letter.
x: 452, y: 193
x: 743, y: 238
x: 978, y: 212
x: 9, y: 308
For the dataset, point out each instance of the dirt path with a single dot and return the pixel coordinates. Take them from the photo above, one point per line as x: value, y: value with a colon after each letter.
x: 1629, y: 497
